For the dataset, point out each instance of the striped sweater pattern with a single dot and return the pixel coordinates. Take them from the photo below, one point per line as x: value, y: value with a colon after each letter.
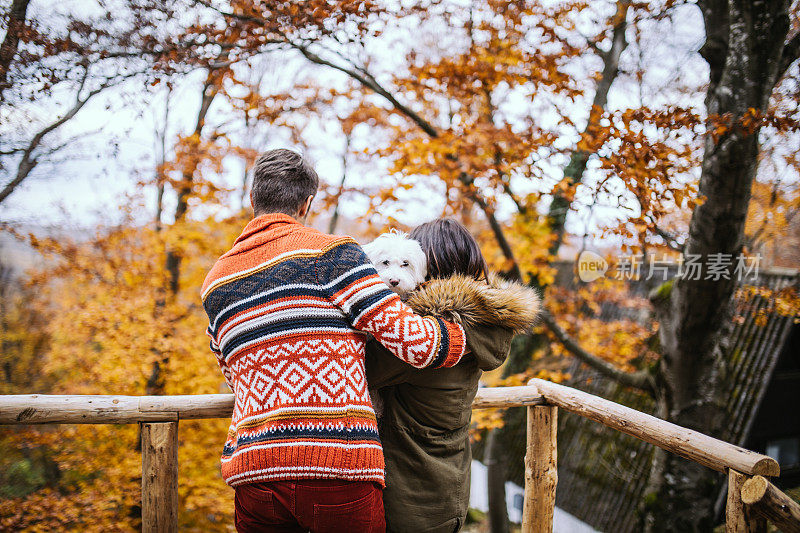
x: 289, y: 311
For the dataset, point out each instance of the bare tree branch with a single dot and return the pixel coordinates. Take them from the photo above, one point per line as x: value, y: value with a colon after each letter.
x: 335, y: 215
x: 358, y: 73
x: 161, y: 158
x: 29, y: 160
x: 670, y: 239
x: 367, y: 80
x: 500, y: 235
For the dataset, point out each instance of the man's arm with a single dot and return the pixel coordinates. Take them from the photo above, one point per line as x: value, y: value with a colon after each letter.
x: 353, y: 285
x: 487, y: 345
x: 226, y: 372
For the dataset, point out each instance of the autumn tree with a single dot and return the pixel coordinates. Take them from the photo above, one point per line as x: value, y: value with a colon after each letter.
x: 53, y: 64
x: 122, y: 307
x: 501, y: 113
x: 107, y: 321
x: 748, y: 52
x: 459, y: 131
x: 455, y: 130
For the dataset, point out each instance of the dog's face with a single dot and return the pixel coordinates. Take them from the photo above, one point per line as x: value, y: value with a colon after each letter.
x: 400, y: 261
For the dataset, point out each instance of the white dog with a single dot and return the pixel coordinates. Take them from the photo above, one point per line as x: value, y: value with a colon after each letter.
x: 400, y: 261
x: 402, y: 265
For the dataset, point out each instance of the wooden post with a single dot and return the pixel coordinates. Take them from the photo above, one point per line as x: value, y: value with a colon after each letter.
x: 160, y: 477
x: 739, y: 518
x: 769, y: 502
x: 541, y: 474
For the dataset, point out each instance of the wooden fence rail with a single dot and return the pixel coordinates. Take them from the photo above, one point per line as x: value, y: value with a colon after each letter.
x: 77, y: 409
x: 159, y: 416
x: 708, y: 451
x: 768, y: 502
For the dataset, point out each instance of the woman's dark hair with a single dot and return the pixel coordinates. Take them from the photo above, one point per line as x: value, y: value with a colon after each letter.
x: 450, y: 249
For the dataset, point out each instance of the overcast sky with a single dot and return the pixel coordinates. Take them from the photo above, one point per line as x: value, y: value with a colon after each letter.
x: 101, y: 171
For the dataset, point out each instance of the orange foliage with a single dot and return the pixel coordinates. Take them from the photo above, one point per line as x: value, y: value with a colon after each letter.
x: 772, y: 226
x: 624, y: 342
x: 109, y: 319
x: 101, y: 316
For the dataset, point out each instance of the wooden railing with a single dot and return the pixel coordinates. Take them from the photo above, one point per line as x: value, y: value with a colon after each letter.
x: 752, y: 499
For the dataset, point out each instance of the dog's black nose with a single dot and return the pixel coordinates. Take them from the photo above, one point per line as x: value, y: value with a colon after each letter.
x: 394, y: 283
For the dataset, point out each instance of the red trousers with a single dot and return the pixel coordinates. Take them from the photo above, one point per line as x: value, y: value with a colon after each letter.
x: 317, y: 505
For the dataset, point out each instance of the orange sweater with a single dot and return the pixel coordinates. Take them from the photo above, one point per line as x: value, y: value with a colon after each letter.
x: 289, y: 309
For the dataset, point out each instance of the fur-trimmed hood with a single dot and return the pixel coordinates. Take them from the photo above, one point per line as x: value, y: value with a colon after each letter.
x: 470, y: 302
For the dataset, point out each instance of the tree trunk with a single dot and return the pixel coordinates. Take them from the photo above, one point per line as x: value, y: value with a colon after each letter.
x: 496, y: 483
x: 694, y: 315
x: 573, y: 172
x: 173, y: 260
x: 15, y: 23
x: 161, y: 160
x: 335, y: 215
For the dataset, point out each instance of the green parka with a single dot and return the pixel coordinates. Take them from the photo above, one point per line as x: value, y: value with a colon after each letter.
x: 426, y: 413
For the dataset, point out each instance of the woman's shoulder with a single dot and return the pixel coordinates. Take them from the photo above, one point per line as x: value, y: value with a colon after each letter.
x: 470, y: 302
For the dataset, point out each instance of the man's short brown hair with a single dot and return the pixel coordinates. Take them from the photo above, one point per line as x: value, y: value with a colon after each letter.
x: 282, y: 181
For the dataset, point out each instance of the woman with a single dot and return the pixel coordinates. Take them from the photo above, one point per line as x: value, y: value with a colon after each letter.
x: 426, y: 413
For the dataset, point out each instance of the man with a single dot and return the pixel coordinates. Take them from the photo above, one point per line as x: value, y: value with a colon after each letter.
x: 289, y: 311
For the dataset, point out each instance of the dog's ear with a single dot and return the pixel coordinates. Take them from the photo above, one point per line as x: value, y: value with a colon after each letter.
x: 418, y: 261
x: 372, y: 249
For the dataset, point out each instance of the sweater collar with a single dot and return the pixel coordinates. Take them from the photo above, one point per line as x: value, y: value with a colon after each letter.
x: 268, y: 222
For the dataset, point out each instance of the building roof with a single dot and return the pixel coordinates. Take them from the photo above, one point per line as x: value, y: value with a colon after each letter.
x: 603, y: 473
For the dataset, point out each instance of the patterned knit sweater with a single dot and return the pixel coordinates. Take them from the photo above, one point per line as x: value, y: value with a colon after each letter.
x: 289, y: 310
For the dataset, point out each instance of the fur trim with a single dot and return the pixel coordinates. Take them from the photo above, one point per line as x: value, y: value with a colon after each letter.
x: 465, y: 300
